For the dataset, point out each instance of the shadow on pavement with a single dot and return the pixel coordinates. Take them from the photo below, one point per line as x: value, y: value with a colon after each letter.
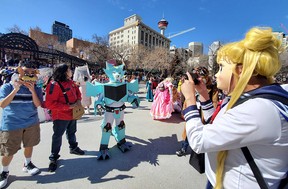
x: 95, y: 171
x: 175, y: 118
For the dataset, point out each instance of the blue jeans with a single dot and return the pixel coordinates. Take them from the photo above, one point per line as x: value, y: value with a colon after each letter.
x: 59, y: 127
x: 185, y: 144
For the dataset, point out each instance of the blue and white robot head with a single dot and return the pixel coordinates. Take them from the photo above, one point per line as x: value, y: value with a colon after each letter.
x: 115, y: 73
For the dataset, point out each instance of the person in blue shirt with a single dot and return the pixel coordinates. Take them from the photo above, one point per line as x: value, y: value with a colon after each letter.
x: 19, y: 121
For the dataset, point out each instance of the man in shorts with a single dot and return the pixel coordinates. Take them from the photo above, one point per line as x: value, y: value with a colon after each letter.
x: 19, y: 121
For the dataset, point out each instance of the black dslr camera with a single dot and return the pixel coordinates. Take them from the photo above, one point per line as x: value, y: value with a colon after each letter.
x: 195, y: 77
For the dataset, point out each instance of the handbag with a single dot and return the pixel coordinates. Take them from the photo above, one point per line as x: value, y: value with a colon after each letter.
x: 77, y: 111
x: 197, y: 161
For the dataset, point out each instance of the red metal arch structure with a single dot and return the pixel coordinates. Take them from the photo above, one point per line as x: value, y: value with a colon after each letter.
x: 17, y: 43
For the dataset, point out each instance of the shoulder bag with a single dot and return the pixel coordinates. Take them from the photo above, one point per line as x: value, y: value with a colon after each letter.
x: 246, y: 152
x: 78, y: 111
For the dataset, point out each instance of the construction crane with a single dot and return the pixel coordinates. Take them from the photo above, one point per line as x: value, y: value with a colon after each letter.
x: 182, y: 32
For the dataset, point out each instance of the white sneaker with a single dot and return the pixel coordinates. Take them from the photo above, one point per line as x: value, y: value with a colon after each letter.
x: 31, y: 169
x: 3, y: 179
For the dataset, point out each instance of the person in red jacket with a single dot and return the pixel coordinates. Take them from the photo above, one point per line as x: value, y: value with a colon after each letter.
x: 62, y: 112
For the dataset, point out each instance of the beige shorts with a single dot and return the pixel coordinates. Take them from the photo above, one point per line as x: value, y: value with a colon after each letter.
x: 10, y: 141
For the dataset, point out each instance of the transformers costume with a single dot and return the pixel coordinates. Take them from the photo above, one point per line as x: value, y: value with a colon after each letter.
x: 112, y: 97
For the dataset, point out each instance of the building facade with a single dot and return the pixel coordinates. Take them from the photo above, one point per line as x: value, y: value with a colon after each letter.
x: 78, y: 47
x: 283, y: 37
x: 135, y: 32
x: 196, y: 48
x: 43, y: 39
x: 61, y: 30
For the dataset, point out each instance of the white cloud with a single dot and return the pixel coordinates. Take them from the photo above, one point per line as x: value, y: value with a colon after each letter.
x: 203, y: 9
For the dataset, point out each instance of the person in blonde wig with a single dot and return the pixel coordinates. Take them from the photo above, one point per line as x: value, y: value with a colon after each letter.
x: 246, y: 69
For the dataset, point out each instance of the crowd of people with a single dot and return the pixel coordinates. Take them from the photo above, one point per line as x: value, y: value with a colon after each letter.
x: 243, y: 109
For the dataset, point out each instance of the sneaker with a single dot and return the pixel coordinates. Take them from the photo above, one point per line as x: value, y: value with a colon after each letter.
x: 181, y: 152
x: 31, y: 169
x: 77, y: 151
x: 3, y: 179
x: 52, y: 166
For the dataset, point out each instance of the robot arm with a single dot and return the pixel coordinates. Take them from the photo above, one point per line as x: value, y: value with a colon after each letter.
x: 99, y: 104
x: 133, y: 99
x: 97, y: 90
x: 94, y: 89
x: 133, y: 86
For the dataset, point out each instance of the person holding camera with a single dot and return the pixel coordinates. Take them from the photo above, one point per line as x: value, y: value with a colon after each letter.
x: 199, y: 73
x: 246, y: 145
x: 19, y: 122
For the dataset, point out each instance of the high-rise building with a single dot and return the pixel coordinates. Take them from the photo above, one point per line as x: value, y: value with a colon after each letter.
x: 281, y: 36
x: 284, y: 42
x: 196, y: 48
x: 212, y: 52
x: 61, y: 30
x: 135, y: 32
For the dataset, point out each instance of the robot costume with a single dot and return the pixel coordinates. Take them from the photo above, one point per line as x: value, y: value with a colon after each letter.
x: 112, y: 97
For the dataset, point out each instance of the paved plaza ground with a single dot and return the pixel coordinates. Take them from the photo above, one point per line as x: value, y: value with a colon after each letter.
x: 151, y: 163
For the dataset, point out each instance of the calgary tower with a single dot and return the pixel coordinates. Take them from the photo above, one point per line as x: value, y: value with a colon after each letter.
x: 162, y: 25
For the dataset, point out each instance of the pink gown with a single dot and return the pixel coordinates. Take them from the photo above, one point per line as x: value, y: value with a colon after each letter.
x: 162, y: 106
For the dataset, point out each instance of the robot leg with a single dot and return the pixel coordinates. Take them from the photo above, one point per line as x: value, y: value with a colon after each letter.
x: 104, y: 150
x: 119, y: 134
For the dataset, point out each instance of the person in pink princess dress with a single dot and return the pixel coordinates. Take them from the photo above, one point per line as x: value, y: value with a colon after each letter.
x: 162, y: 106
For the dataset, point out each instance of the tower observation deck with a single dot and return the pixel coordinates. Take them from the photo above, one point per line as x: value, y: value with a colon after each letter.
x: 162, y: 25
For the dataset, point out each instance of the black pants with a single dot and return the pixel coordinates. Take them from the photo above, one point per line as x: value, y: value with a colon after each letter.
x: 59, y: 127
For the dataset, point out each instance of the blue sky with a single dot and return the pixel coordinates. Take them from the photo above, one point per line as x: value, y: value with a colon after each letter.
x: 223, y: 20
